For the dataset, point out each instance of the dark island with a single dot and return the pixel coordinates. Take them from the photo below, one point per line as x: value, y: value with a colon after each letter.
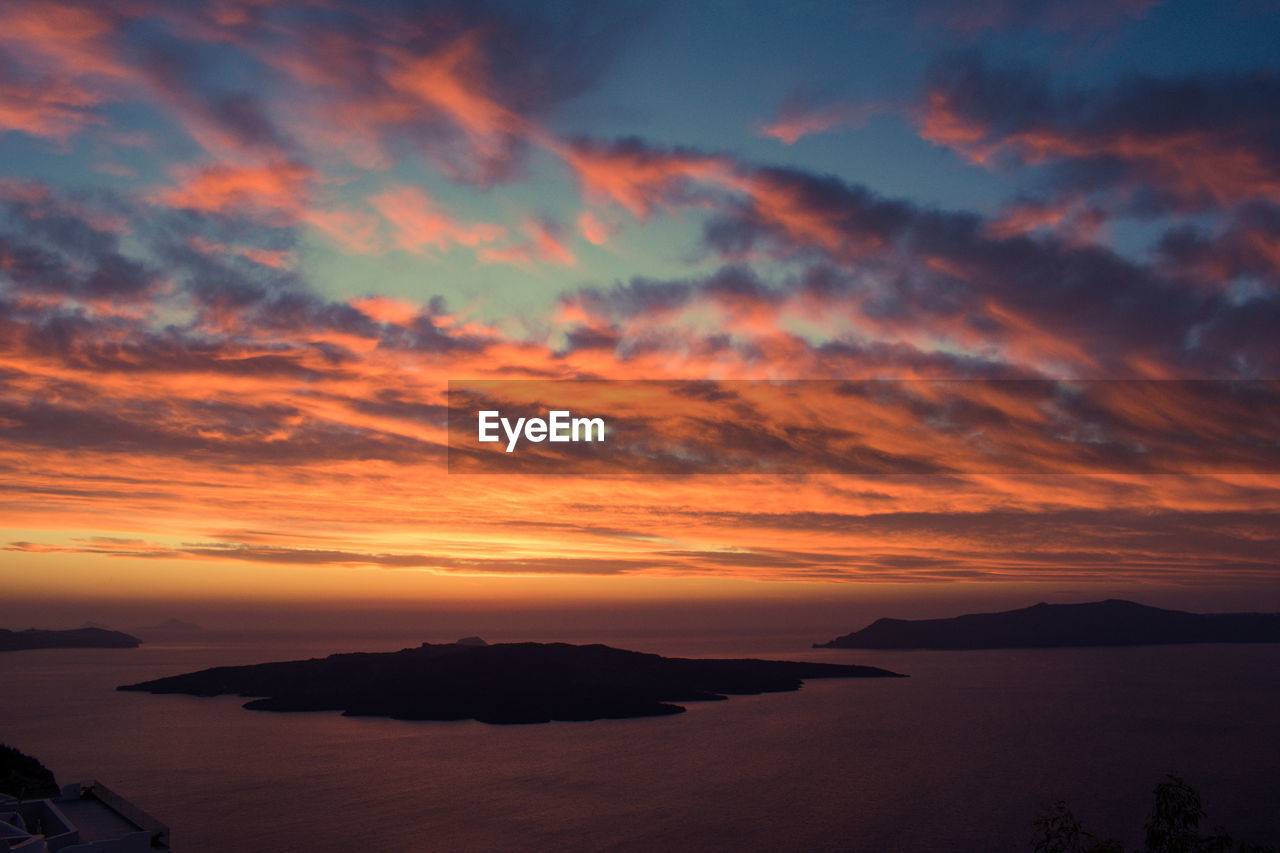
x: 1099, y: 623
x: 23, y: 776
x: 76, y: 638
x: 502, y: 683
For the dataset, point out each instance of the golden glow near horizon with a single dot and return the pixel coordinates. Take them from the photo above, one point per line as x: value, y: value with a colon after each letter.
x: 391, y: 537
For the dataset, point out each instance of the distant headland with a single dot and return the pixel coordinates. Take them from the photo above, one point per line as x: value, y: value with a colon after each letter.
x: 501, y: 683
x: 75, y: 638
x: 1098, y: 623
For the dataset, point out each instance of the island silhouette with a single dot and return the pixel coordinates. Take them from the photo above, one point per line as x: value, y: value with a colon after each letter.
x: 1113, y: 622
x: 75, y: 638
x: 500, y: 683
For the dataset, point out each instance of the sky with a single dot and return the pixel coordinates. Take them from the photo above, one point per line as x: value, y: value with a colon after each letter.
x: 244, y: 247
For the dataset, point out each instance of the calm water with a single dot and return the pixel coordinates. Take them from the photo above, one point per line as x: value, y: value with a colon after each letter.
x: 958, y: 757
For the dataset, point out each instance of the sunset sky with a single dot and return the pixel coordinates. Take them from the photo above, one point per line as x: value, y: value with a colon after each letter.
x: 244, y: 246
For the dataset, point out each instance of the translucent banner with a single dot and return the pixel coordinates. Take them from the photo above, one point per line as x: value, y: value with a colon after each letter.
x: 867, y: 427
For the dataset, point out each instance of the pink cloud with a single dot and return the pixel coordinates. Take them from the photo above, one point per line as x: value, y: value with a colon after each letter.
x: 640, y: 178
x: 419, y: 222
x: 594, y: 229
x: 544, y: 246
x: 275, y: 259
x: 277, y: 190
x: 798, y: 120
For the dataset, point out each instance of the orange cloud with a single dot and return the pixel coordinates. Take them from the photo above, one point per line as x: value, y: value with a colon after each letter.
x: 279, y: 190
x: 640, y: 178
x: 1072, y: 218
x: 419, y: 222
x: 451, y: 80
x: 593, y: 229
x: 544, y: 246
x: 361, y: 94
x: 63, y: 65
x: 52, y: 110
x: 69, y: 38
x: 275, y: 259
x: 383, y: 309
x: 798, y: 120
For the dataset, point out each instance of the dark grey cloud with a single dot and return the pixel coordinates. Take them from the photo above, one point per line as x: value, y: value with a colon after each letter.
x: 66, y: 246
x: 1197, y: 142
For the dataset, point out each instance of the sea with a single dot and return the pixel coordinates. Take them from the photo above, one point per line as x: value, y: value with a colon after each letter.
x: 961, y: 756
